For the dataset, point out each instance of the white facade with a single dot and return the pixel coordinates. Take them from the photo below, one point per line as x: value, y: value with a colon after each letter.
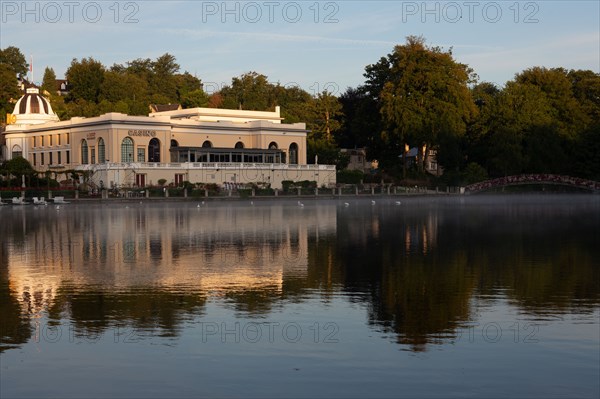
x: 199, y: 145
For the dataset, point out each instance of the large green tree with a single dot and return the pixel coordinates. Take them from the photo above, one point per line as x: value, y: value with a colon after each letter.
x: 426, y: 95
x: 49, y: 82
x: 14, y: 58
x: 9, y: 90
x: 86, y: 78
x: 250, y: 91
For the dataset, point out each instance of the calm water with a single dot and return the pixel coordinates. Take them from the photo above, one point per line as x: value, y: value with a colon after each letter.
x: 434, y: 297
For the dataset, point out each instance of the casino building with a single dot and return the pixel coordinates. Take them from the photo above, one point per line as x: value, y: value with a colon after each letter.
x: 199, y: 145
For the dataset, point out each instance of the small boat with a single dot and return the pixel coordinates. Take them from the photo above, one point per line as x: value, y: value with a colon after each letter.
x: 18, y: 201
x: 60, y: 200
x: 39, y: 201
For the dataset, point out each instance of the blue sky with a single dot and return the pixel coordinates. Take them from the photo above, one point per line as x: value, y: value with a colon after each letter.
x: 314, y: 44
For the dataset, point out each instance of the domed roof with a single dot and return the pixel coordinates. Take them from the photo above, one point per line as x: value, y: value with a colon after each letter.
x: 33, y: 108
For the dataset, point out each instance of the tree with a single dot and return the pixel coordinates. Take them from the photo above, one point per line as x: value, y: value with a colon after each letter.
x: 586, y: 90
x: 327, y: 111
x: 557, y: 88
x: 86, y: 78
x: 125, y: 86
x: 9, y: 90
x: 194, y: 98
x: 295, y: 103
x: 13, y: 57
x: 186, y: 83
x: 49, y: 81
x: 425, y: 95
x: 18, y: 167
x: 360, y: 120
x: 251, y: 91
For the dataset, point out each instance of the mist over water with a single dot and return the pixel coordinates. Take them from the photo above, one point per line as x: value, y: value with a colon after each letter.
x: 408, y: 296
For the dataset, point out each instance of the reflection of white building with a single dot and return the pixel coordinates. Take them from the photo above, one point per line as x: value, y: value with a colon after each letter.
x: 200, y: 145
x: 212, y: 250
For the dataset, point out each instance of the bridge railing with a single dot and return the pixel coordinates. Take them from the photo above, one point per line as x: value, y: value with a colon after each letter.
x: 534, y: 179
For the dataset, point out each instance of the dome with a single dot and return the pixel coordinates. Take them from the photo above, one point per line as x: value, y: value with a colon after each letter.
x: 33, y: 109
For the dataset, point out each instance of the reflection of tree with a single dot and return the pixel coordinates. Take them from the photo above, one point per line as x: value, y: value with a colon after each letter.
x: 143, y: 308
x: 544, y: 257
x: 254, y: 302
x: 15, y: 328
x: 418, y: 293
x: 419, y: 269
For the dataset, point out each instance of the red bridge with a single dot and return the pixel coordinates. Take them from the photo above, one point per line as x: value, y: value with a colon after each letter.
x: 534, y: 179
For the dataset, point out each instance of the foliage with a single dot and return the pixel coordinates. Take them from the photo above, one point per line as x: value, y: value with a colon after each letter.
x: 15, y: 60
x: 326, y: 153
x: 474, y: 173
x: 9, y: 90
x: 48, y: 82
x: 86, y: 78
x: 425, y: 95
x: 18, y: 167
x: 349, y: 176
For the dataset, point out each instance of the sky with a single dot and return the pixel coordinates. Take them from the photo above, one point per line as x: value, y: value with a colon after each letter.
x: 317, y: 45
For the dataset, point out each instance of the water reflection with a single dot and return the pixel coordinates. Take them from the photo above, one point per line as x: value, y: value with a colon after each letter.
x: 422, y: 268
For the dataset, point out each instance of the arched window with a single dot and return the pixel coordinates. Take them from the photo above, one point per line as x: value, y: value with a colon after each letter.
x: 293, y: 154
x: 239, y: 144
x: 101, y: 151
x: 17, y: 151
x: 127, y: 150
x: 174, y: 143
x: 207, y: 144
x: 84, y: 152
x: 154, y: 150
x: 273, y: 146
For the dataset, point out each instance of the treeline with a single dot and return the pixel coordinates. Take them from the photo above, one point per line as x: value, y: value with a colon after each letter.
x: 544, y: 120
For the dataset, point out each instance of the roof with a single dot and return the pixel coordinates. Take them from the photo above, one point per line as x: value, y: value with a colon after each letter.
x: 164, y: 107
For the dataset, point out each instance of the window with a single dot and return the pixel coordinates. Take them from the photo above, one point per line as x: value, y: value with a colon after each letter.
x: 58, y: 139
x: 93, y: 154
x: 17, y: 151
x: 154, y: 150
x: 34, y: 159
x: 84, y: 152
x: 50, y: 158
x: 179, y: 179
x: 127, y: 150
x: 59, y: 155
x: 35, y: 141
x: 207, y: 144
x: 174, y: 143
x: 42, y: 141
x: 140, y: 179
x: 239, y: 144
x: 273, y: 146
x: 42, y: 158
x: 141, y: 154
x: 50, y: 139
x: 68, y: 154
x: 101, y: 151
x: 293, y: 154
x: 68, y: 139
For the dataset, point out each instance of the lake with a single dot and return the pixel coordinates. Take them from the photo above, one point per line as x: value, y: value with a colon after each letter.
x: 480, y: 296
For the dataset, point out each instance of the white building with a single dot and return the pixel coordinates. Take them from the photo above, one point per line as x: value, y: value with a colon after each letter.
x: 199, y: 145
